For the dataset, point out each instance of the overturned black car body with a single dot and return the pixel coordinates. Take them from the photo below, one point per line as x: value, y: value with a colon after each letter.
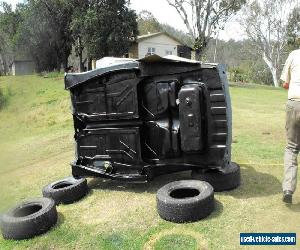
x: 138, y: 119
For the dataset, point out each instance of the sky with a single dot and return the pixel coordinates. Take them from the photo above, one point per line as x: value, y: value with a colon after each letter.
x: 13, y: 2
x: 167, y: 14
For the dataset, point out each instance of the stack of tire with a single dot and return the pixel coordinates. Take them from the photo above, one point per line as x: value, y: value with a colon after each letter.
x: 37, y: 216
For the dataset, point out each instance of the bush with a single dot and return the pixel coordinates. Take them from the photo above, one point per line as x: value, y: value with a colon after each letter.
x: 258, y: 73
x: 2, y: 99
x: 237, y: 74
x: 4, y: 96
x: 251, y: 72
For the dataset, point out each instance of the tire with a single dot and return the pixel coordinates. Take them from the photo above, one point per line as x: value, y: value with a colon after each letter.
x: 185, y: 201
x: 66, y: 191
x: 28, y: 219
x: 225, y: 179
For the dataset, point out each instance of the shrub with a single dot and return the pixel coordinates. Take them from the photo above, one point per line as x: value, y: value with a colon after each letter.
x: 2, y: 99
x: 251, y: 72
x: 4, y: 96
x: 258, y: 73
x: 237, y: 74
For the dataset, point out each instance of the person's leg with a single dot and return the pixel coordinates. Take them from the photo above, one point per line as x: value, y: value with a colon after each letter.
x: 291, y: 150
x: 290, y: 167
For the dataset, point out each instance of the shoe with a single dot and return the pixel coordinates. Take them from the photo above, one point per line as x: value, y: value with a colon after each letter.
x: 287, y: 196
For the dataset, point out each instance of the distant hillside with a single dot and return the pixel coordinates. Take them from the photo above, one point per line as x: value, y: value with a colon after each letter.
x: 147, y: 23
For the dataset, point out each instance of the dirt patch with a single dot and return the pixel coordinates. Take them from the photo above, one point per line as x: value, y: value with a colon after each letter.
x: 201, y: 241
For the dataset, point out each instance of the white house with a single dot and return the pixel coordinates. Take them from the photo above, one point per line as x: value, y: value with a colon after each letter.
x: 161, y: 44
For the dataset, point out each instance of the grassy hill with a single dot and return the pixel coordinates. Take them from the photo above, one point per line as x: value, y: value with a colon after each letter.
x: 36, y: 147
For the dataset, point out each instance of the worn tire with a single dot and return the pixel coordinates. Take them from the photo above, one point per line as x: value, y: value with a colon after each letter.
x: 28, y: 219
x: 221, y: 180
x: 66, y: 191
x: 185, y: 201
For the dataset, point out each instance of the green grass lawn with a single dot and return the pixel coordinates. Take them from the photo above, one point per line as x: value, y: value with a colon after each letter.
x: 36, y: 147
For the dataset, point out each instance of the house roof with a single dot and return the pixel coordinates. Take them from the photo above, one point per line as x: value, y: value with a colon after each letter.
x: 144, y: 37
x: 149, y: 35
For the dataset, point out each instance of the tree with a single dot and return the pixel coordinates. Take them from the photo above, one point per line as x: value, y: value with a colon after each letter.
x: 203, y: 18
x: 180, y: 35
x: 109, y: 28
x: 80, y: 8
x: 48, y: 29
x: 35, y: 37
x: 265, y: 24
x: 9, y: 25
x: 60, y: 17
x: 293, y: 28
x: 242, y: 64
x: 147, y: 23
x: 46, y: 32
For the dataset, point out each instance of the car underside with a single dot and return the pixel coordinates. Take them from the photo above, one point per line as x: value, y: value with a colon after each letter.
x: 137, y: 119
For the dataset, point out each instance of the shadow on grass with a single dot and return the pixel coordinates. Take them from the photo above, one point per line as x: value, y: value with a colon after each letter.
x: 217, y: 211
x: 255, y: 184
x: 294, y: 207
x: 60, y: 219
x: 150, y: 187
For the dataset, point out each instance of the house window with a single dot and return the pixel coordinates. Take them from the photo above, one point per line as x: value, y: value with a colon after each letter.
x: 169, y: 52
x: 151, y: 51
